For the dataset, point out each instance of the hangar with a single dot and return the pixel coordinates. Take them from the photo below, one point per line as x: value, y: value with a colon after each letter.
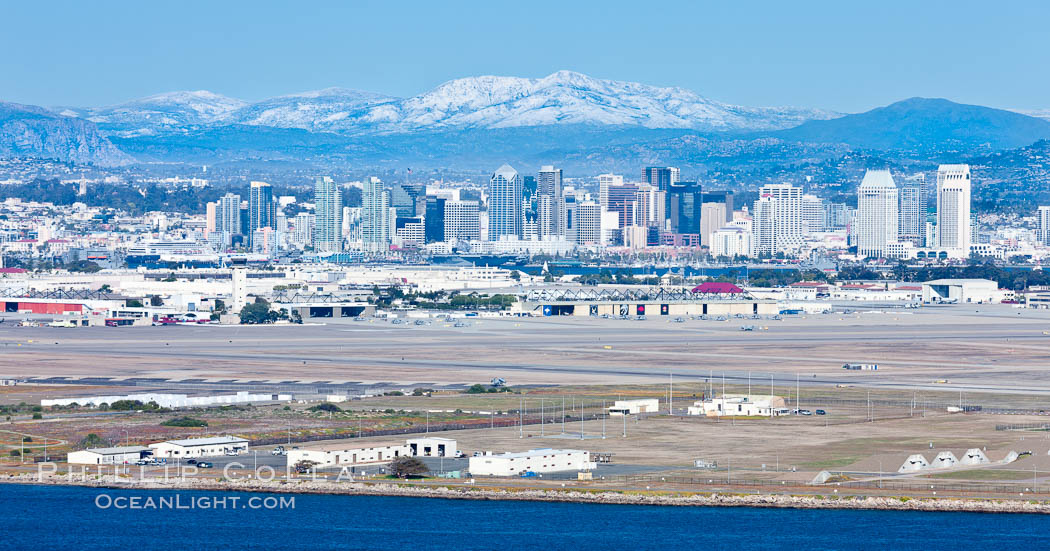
x: 643, y: 301
x: 958, y: 291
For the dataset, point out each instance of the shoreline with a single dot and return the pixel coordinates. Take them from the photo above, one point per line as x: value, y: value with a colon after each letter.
x: 677, y: 498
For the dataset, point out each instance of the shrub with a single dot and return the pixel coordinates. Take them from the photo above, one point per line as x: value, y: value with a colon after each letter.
x: 37, y: 416
x: 185, y: 422
x: 327, y: 406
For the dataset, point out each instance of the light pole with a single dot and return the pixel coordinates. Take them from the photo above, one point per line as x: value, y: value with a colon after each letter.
x: 22, y: 453
x: 127, y: 438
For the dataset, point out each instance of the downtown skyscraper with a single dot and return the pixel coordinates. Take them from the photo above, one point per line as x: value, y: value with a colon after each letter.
x: 549, y: 205
x: 375, y: 215
x: 953, y: 207
x: 505, y: 203
x: 877, y: 217
x: 262, y: 211
x: 328, y: 223
x: 777, y: 223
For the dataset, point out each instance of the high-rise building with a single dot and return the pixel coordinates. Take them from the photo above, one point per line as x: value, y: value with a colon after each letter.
x: 328, y: 208
x: 723, y: 196
x: 605, y: 181
x: 777, y: 219
x: 408, y: 199
x: 731, y: 242
x: 651, y: 202
x: 913, y: 196
x: 262, y: 211
x: 623, y: 200
x: 505, y: 204
x: 685, y: 201
x: 1044, y: 225
x: 210, y: 214
x: 462, y: 221
x: 813, y: 216
x: 228, y: 216
x: 877, y: 216
x: 375, y: 215
x: 712, y: 218
x: 662, y: 177
x: 549, y: 203
x: 434, y: 219
x: 588, y: 223
x: 303, y: 229
x: 953, y: 207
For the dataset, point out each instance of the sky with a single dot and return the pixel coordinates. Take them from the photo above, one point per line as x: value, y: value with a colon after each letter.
x: 845, y: 56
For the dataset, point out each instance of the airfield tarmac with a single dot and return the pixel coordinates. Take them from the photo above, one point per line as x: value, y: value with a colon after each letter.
x: 975, y: 347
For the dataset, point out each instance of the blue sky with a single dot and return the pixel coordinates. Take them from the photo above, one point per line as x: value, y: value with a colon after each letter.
x: 848, y: 56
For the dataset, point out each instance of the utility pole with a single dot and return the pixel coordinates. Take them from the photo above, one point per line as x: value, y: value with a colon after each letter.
x: 563, y: 414
x: 605, y: 413
x: 670, y: 394
x: 521, y: 419
x: 625, y: 425
x: 541, y: 417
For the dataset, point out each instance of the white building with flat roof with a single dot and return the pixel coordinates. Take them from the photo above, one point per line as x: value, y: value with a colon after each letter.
x: 544, y: 460
x: 108, y: 456
x: 211, y: 446
x: 956, y: 291
x: 634, y: 407
x: 739, y: 405
x: 431, y: 446
x: 348, y: 454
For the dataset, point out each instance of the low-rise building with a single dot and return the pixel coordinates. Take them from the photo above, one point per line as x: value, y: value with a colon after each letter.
x: 634, y: 407
x: 108, y: 456
x: 544, y: 460
x: 961, y: 291
x: 348, y: 454
x: 431, y: 446
x: 199, y: 447
x: 740, y: 405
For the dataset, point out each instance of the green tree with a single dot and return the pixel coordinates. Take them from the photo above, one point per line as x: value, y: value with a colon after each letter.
x: 258, y: 312
x: 405, y: 466
x: 92, y: 440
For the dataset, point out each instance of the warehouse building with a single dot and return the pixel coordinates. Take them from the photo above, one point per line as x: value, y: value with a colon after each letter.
x: 431, y: 446
x: 958, y: 291
x: 348, y: 454
x: 634, y: 407
x: 544, y: 460
x: 108, y: 456
x: 740, y: 405
x: 200, y: 447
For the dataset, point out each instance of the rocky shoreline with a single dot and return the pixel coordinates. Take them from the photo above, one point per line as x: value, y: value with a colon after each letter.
x: 596, y: 496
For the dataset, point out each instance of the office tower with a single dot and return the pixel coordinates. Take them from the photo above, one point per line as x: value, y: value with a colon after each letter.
x: 777, y: 219
x: 953, y: 207
x: 1044, y: 225
x: 549, y: 204
x: 434, y: 219
x: 408, y: 199
x: 686, y: 199
x: 877, y: 216
x: 912, y: 225
x: 812, y: 214
x: 262, y: 212
x: 723, y: 196
x: 605, y: 181
x: 569, y: 208
x: 303, y: 229
x: 210, y: 214
x: 623, y: 200
x: 409, y: 230
x: 462, y: 221
x: 836, y: 216
x: 504, y: 209
x: 228, y: 216
x: 662, y: 177
x: 649, y: 210
x: 588, y: 223
x: 712, y: 218
x: 375, y: 215
x: 328, y: 222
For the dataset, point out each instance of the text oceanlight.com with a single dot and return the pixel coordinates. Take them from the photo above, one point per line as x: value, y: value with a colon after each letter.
x: 179, y: 501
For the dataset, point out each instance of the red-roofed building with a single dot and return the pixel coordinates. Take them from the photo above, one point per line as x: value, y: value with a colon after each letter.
x: 12, y: 270
x: 718, y: 288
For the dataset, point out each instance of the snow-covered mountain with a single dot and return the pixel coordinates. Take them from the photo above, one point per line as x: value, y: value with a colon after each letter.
x: 328, y: 110
x: 562, y: 98
x: 566, y: 97
x: 172, y: 111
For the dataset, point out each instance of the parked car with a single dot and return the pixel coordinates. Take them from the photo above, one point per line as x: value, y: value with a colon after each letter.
x: 191, y: 462
x: 459, y: 454
x: 279, y: 450
x: 821, y: 412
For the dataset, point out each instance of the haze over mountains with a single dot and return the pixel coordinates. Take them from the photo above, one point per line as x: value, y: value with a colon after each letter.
x: 473, y: 120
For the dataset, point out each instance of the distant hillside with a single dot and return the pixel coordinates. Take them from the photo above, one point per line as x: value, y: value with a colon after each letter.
x: 29, y: 131
x: 924, y: 124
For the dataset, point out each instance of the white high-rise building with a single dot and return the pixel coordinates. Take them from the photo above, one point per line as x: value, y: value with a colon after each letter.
x: 813, y: 214
x: 462, y: 222
x: 303, y: 229
x: 1044, y: 225
x: 549, y: 204
x: 877, y: 216
x: 953, y: 207
x: 328, y: 222
x: 375, y: 215
x: 777, y: 225
x: 604, y: 182
x: 712, y: 217
x: 912, y: 225
x: 505, y: 208
x: 588, y: 223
